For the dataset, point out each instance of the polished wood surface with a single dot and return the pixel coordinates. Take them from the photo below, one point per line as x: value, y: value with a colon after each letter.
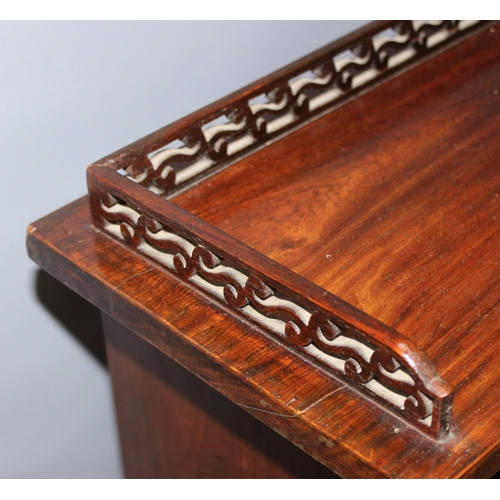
x: 388, y: 207
x: 173, y: 425
x: 284, y: 200
x: 348, y: 342
x: 379, y: 219
x: 329, y: 420
x: 184, y: 152
x: 393, y: 208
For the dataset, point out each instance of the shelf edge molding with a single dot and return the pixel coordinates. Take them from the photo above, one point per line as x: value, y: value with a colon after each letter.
x: 337, y: 337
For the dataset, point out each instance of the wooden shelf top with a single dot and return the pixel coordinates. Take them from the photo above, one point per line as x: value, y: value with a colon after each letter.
x: 389, y: 202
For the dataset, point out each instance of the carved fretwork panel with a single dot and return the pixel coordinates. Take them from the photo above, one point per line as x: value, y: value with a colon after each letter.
x: 134, y: 208
x: 377, y: 360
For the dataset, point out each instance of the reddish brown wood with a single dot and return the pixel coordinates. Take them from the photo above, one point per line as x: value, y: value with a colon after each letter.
x: 405, y: 195
x: 389, y: 202
x: 411, y: 198
x: 173, y: 425
x: 426, y: 399
x: 328, y: 420
x: 380, y: 49
x: 331, y: 318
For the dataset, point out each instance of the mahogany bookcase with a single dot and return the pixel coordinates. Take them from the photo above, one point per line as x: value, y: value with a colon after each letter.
x: 320, y: 251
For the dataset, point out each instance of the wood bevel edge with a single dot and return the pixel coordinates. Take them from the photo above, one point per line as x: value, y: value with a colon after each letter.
x: 283, y: 279
x: 70, y: 274
x: 484, y: 466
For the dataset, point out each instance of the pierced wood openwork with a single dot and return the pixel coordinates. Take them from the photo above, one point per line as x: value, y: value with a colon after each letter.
x: 134, y: 208
x: 343, y: 340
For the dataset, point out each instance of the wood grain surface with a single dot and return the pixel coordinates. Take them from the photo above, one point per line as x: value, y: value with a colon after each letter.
x: 186, y: 151
x: 173, y: 425
x: 392, y: 203
x: 327, y: 419
x: 352, y: 344
x: 374, y: 55
x: 388, y: 206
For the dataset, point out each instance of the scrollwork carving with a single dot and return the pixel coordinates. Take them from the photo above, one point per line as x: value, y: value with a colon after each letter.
x: 338, y: 346
x: 398, y: 376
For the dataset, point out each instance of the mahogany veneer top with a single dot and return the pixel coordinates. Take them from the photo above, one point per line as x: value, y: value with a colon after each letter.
x: 391, y: 202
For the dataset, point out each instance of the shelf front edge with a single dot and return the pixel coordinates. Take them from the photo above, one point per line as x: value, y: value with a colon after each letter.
x: 341, y: 339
